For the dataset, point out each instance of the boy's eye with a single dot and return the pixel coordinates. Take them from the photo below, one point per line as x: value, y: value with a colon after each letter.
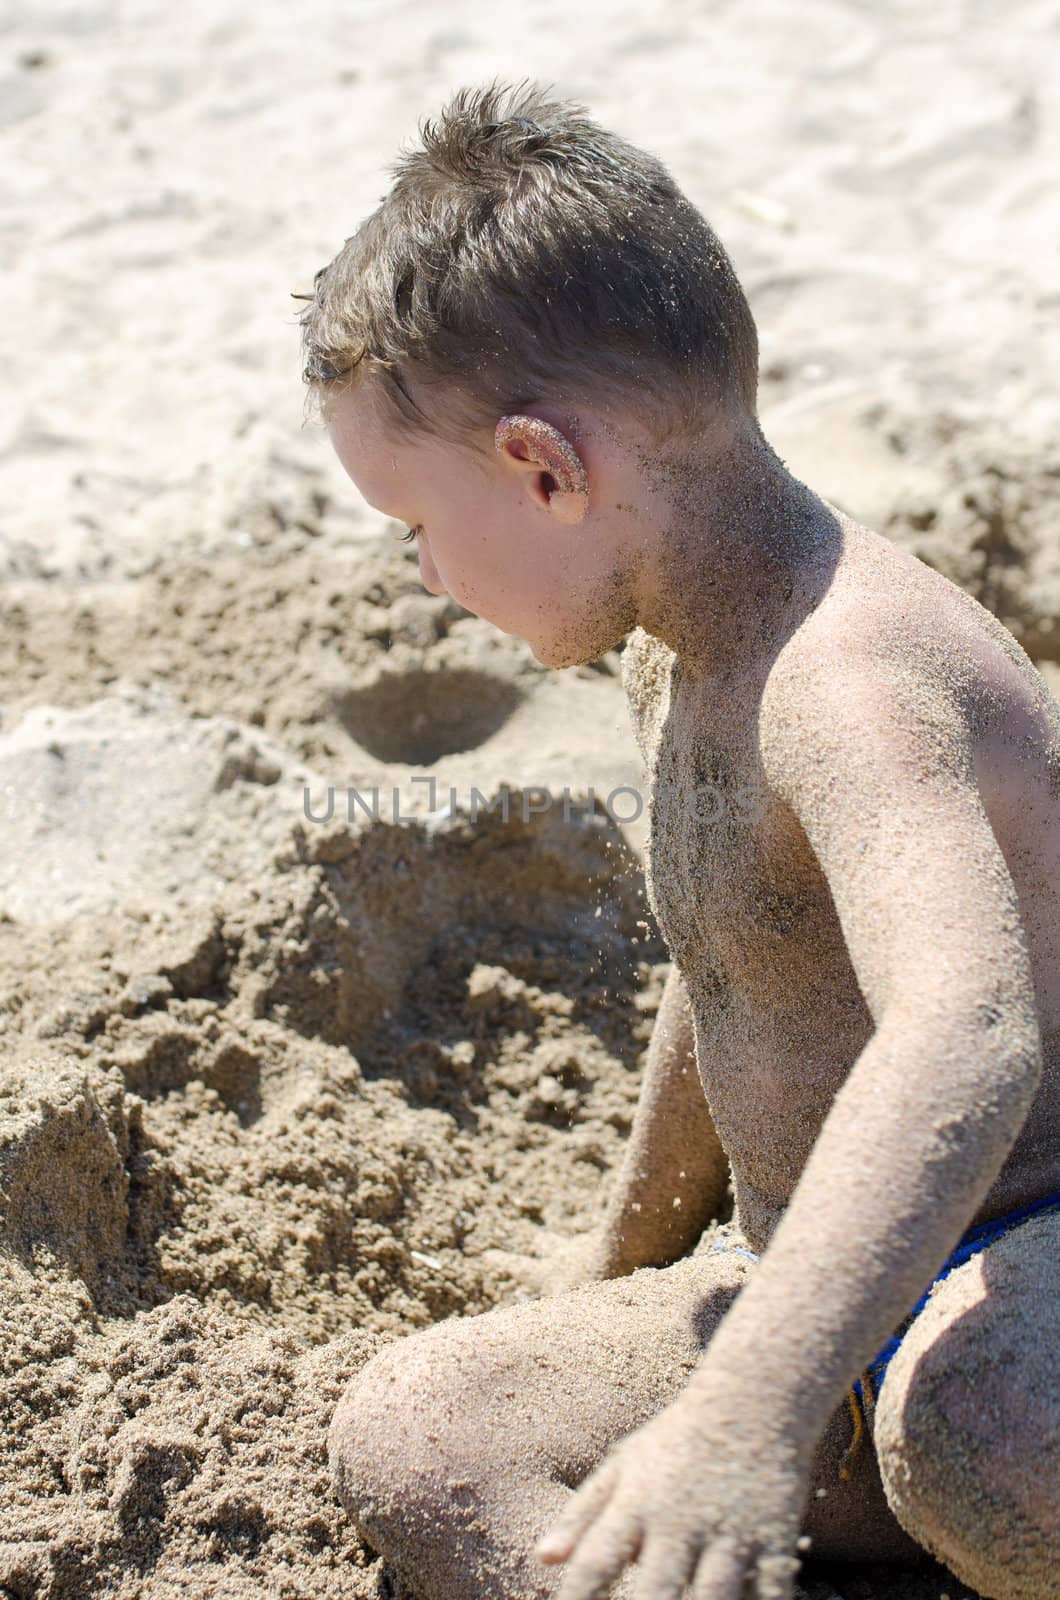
x: 409, y: 534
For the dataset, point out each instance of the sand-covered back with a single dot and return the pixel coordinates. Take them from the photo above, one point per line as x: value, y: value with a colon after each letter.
x: 274, y: 1089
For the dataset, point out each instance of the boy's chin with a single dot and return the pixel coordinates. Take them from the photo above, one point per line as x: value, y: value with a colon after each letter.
x: 571, y: 650
x: 555, y: 655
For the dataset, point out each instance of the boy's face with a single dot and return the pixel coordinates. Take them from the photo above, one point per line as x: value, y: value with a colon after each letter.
x: 492, y: 532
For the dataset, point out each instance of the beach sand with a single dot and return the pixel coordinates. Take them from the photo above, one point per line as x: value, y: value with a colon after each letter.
x: 275, y: 1089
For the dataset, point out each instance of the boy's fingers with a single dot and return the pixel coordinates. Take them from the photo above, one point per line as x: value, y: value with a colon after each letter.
x: 775, y: 1577
x: 720, y: 1574
x: 608, y: 1546
x: 580, y: 1513
x: 664, y: 1568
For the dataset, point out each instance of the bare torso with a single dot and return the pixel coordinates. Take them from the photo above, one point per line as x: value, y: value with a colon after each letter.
x: 742, y: 902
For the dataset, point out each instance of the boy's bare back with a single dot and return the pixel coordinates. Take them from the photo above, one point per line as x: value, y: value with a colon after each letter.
x: 740, y: 896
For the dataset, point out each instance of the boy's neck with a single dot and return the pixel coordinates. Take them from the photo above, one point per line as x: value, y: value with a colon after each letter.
x: 742, y: 552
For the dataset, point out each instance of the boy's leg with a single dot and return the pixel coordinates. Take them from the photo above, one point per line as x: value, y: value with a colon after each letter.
x: 968, y: 1419
x: 455, y: 1449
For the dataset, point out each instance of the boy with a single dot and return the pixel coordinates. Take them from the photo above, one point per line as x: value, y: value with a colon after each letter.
x: 537, y: 354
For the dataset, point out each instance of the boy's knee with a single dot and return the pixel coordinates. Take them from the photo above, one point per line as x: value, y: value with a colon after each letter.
x: 970, y: 1475
x: 360, y: 1465
x: 395, y: 1442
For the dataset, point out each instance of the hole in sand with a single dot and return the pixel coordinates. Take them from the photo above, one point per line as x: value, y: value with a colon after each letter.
x: 416, y: 717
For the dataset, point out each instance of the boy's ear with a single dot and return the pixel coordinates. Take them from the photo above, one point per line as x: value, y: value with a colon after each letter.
x: 556, y: 477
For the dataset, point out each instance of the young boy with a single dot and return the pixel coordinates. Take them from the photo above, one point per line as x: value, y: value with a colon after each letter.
x: 536, y: 353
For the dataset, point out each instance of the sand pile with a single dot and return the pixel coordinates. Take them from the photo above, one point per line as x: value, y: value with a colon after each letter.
x: 267, y: 1080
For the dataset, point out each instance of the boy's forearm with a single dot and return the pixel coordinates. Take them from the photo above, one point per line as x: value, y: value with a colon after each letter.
x: 674, y: 1173
x: 913, y: 1143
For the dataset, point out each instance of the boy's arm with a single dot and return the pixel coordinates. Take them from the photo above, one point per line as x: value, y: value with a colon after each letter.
x: 673, y: 1155
x: 881, y: 774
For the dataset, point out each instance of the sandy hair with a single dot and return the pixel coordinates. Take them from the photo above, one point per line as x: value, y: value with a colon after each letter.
x: 523, y: 250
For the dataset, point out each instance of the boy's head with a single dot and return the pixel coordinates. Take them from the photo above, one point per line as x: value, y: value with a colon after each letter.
x: 526, y: 265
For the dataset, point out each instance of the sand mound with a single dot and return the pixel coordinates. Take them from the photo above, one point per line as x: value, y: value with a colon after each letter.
x: 178, y: 1455
x: 277, y: 1067
x: 126, y: 800
x: 63, y: 1151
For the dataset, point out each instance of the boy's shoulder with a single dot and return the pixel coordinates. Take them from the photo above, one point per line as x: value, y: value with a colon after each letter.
x: 891, y: 641
x: 893, y: 625
x: 889, y: 629
x: 898, y: 669
x: 854, y: 640
x: 866, y: 618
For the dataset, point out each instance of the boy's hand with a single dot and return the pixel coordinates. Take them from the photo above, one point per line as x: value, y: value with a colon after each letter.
x: 700, y: 1496
x: 571, y: 1262
x: 576, y: 1261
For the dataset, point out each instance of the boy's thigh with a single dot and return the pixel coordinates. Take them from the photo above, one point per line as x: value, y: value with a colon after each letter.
x: 541, y: 1392
x: 980, y: 1359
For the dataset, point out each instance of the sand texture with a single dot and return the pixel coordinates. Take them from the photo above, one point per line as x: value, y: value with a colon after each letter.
x: 275, y: 1090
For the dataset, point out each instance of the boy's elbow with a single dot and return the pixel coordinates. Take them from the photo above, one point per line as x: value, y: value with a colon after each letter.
x: 1004, y: 1016
x: 1005, y: 1047
x: 994, y: 1040
x: 1014, y: 1036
